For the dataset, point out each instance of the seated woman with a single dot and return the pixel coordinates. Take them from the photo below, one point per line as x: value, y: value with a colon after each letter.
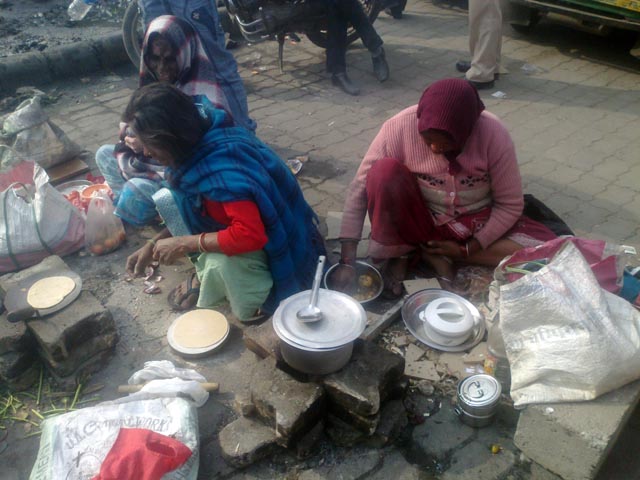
x: 441, y: 181
x: 250, y: 234
x: 172, y: 53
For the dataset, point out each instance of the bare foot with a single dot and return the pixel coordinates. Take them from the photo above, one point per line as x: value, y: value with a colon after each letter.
x: 442, y: 265
x: 393, y: 274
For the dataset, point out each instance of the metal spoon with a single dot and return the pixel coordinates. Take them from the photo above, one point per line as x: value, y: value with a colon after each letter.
x: 311, y: 313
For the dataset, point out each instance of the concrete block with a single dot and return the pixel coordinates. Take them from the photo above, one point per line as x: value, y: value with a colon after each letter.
x: 366, y: 381
x: 263, y: 340
x: 366, y: 424
x: 393, y: 420
x: 242, y: 405
x: 82, y: 370
x: 24, y: 380
x: 292, y: 407
x: 81, y: 355
x: 341, y: 433
x: 246, y: 441
x: 573, y: 439
x: 14, y: 337
x: 305, y: 447
x: 14, y: 364
x: 62, y: 332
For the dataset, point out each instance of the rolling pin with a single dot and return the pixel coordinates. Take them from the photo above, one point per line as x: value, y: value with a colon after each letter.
x: 208, y: 386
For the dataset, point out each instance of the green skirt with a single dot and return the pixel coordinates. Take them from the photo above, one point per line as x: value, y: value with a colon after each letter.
x: 244, y: 280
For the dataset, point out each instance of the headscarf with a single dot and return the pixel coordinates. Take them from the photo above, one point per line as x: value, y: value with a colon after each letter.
x: 451, y: 105
x: 196, y: 73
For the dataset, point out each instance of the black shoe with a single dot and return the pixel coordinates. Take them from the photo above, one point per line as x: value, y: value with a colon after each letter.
x: 394, y: 12
x: 482, y: 85
x: 463, y: 65
x: 380, y: 66
x: 341, y: 80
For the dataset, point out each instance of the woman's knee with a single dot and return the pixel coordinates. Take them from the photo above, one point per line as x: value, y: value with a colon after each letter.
x: 383, y: 171
x: 105, y: 158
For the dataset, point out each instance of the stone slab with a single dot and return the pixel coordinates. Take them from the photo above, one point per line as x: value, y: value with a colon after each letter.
x: 366, y: 424
x: 23, y: 381
x: 393, y: 420
x: 82, y: 371
x: 9, y: 280
x: 291, y: 407
x: 440, y: 434
x: 245, y: 441
x: 60, y: 333
x: 341, y: 433
x: 573, y: 439
x: 366, y: 381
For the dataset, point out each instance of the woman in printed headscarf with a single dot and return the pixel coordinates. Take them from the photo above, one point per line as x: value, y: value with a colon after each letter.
x: 441, y: 181
x: 172, y: 53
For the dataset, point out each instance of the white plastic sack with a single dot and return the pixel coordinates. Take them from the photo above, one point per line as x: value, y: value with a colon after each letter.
x: 566, y: 338
x: 74, y: 445
x: 161, y: 378
x: 32, y: 136
x: 36, y: 221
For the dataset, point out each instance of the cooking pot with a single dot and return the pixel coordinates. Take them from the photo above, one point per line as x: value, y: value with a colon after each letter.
x: 478, y: 397
x: 323, y: 346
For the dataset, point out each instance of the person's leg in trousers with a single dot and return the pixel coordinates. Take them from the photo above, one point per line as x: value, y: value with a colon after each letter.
x: 337, y: 50
x: 354, y: 13
x: 485, y: 41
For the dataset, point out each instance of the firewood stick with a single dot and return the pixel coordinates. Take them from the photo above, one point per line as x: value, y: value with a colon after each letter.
x: 208, y: 386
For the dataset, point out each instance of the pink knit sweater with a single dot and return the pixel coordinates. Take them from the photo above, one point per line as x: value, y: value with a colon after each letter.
x: 489, y: 175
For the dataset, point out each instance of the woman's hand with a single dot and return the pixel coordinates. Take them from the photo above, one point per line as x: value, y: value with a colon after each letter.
x: 133, y: 143
x: 168, y: 250
x: 448, y: 248
x: 139, y: 260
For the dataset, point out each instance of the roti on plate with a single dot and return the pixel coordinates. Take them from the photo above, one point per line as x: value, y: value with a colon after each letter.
x: 200, y: 328
x: 50, y: 291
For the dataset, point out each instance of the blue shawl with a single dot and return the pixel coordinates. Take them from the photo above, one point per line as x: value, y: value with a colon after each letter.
x: 230, y: 164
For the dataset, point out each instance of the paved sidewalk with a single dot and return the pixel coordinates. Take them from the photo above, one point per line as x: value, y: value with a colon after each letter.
x: 575, y: 121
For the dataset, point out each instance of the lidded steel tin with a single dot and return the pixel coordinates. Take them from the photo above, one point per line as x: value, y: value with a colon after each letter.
x: 478, y: 397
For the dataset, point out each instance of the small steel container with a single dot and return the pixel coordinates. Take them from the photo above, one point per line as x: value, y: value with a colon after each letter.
x: 478, y: 397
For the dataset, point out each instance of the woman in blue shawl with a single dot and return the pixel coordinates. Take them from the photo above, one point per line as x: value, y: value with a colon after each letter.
x: 245, y: 223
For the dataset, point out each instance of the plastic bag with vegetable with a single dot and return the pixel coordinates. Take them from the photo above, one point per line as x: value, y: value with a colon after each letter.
x: 104, y: 231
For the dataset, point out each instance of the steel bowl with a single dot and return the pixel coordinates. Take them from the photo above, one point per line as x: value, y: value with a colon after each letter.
x: 362, y: 268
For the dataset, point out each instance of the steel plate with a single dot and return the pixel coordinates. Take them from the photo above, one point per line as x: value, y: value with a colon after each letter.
x: 418, y: 301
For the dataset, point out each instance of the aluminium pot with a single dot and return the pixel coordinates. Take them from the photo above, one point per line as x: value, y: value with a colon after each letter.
x: 324, y: 346
x: 478, y: 397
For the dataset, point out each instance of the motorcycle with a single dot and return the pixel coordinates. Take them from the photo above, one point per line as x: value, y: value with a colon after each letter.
x: 256, y: 21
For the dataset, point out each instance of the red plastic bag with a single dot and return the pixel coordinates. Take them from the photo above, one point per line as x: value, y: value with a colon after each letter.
x: 104, y: 231
x: 605, y: 259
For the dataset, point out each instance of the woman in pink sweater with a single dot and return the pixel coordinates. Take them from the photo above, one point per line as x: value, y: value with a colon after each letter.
x: 440, y: 180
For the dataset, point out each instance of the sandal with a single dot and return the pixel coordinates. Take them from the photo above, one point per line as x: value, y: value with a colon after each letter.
x: 185, y: 292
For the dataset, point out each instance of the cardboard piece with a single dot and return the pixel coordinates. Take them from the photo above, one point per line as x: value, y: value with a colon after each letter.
x: 67, y: 170
x: 477, y: 355
x: 413, y: 286
x: 413, y: 353
x: 424, y: 370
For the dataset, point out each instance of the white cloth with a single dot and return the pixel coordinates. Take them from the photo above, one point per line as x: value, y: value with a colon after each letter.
x: 485, y: 39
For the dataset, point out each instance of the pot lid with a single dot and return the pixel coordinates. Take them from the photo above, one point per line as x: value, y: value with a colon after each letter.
x: 479, y: 390
x: 343, y: 320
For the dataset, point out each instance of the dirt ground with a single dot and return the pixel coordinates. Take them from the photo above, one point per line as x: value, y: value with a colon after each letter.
x: 35, y: 25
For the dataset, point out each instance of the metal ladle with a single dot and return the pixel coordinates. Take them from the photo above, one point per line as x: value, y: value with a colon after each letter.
x: 311, y: 313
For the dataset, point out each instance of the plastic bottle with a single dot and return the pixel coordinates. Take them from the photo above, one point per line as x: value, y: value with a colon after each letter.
x: 497, y: 363
x: 78, y: 9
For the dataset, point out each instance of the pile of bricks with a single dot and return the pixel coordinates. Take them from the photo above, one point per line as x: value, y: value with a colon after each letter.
x: 70, y: 343
x: 286, y: 409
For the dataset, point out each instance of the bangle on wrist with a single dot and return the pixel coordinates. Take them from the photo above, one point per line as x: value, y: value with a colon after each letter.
x: 346, y: 261
x: 151, y: 242
x: 464, y: 250
x: 201, y: 246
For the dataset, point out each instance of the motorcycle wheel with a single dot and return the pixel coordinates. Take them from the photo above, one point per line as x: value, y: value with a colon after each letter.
x: 319, y: 36
x: 133, y: 33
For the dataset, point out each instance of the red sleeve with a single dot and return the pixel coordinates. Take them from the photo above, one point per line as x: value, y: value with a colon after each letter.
x: 245, y: 231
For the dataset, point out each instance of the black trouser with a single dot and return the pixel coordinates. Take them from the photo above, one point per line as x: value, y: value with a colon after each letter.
x: 341, y: 14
